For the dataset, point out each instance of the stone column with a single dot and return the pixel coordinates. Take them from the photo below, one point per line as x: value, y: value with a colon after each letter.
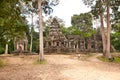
x: 69, y: 44
x: 55, y: 43
x: 74, y: 45
x: 66, y: 44
x: 51, y: 43
x: 77, y: 44
x: 77, y: 49
x: 59, y: 43
x: 47, y: 44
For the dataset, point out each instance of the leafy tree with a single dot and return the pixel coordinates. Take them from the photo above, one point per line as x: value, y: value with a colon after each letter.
x: 1, y: 49
x: 115, y: 4
x: 35, y: 42
x: 98, y: 13
x: 116, y: 27
x: 46, y: 7
x: 71, y: 30
x: 10, y: 21
x: 108, y: 30
x: 84, y: 23
x: 115, y: 36
x: 115, y: 40
x: 99, y: 8
x: 29, y: 11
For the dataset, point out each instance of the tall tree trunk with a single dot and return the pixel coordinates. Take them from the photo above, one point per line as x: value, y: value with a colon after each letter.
x: 104, y: 43
x: 31, y: 42
x: 84, y: 48
x: 41, y: 50
x: 15, y: 43
x: 31, y: 35
x: 6, y: 48
x: 108, y: 55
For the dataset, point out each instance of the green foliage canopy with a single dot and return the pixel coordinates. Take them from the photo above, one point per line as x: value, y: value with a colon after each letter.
x: 83, y: 22
x: 11, y: 21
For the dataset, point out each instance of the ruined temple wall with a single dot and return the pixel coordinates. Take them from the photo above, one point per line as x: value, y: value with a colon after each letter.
x: 57, y: 42
x: 75, y: 45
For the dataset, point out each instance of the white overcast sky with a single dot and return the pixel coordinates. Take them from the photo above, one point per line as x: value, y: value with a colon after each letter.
x: 68, y: 8
x: 65, y: 9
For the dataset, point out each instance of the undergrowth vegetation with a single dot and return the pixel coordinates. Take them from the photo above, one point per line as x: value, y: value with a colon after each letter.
x: 40, y: 62
x: 1, y: 63
x: 116, y: 59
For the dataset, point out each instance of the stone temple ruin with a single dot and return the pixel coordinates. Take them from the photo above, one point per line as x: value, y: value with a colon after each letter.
x: 20, y: 45
x: 57, y: 42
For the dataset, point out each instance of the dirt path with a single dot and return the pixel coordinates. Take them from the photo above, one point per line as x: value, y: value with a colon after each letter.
x: 59, y: 67
x: 94, y: 58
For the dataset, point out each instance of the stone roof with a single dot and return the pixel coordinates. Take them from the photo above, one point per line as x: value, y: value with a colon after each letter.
x: 74, y: 37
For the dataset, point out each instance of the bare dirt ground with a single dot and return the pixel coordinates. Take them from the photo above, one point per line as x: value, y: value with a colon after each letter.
x: 58, y: 67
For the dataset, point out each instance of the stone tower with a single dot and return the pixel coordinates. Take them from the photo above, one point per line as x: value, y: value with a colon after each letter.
x: 55, y: 40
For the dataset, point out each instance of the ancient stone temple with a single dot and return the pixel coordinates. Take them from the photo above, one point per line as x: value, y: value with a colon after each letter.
x: 20, y: 44
x: 76, y: 43
x: 57, y: 42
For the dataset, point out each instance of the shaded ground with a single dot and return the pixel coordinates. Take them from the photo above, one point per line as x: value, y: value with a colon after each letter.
x: 58, y: 67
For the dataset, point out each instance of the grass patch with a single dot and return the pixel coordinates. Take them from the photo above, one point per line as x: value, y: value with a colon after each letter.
x: 1, y: 63
x: 40, y: 62
x: 102, y: 58
x: 116, y: 59
x: 6, y: 54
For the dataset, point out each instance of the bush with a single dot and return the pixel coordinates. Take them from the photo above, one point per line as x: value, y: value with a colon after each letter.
x: 1, y: 50
x: 102, y: 58
x: 116, y: 59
